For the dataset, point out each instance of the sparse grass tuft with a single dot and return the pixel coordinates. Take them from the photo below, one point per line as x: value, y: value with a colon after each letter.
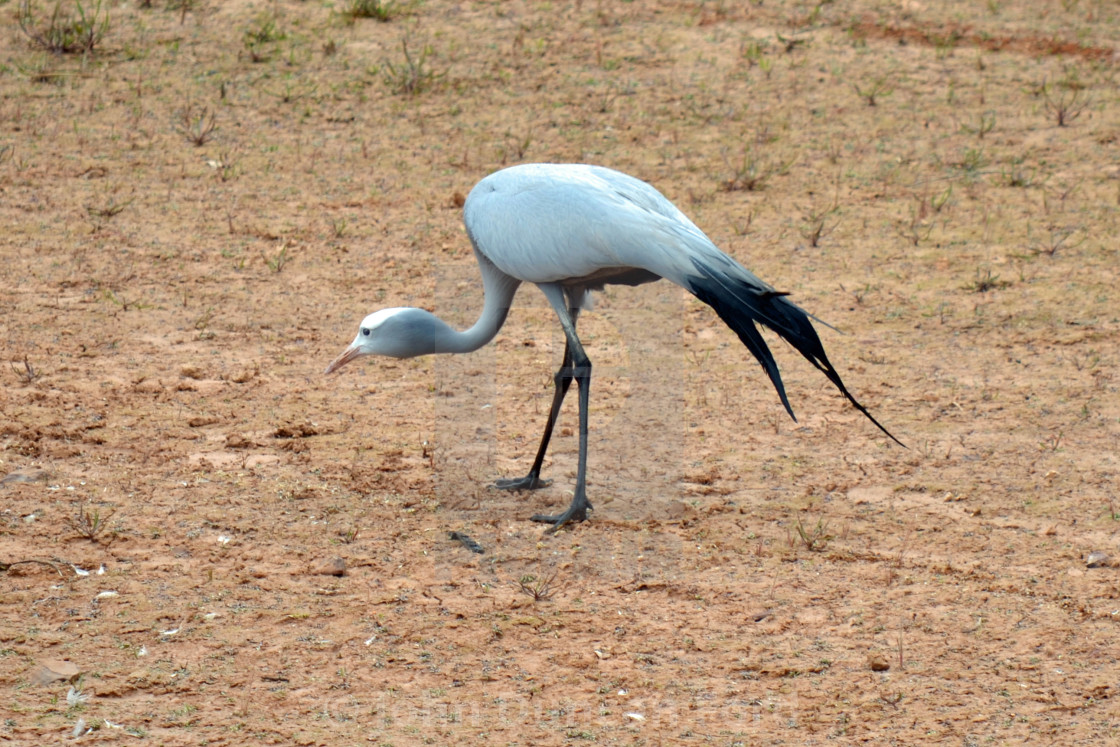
x: 27, y: 373
x: 89, y: 523
x: 1018, y: 175
x: 985, y: 123
x: 196, y: 124
x: 413, y: 75
x: 111, y: 209
x: 817, y: 223
x: 750, y: 172
x: 257, y: 38
x: 971, y: 162
x: 70, y: 28
x: 815, y: 539
x: 537, y: 587
x: 227, y: 166
x: 985, y: 281
x: 915, y: 228
x: 124, y: 303
x: 1066, y: 99
x: 277, y: 261
x: 877, y: 88
x: 1057, y: 239
x: 99, y: 215
x: 379, y: 10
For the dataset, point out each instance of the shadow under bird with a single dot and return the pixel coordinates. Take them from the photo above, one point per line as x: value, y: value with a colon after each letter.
x: 571, y: 229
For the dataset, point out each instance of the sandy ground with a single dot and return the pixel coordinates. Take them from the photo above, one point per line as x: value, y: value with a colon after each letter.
x: 198, y: 213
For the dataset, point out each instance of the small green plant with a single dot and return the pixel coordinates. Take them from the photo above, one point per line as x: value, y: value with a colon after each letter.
x: 817, y: 224
x: 753, y: 52
x: 258, y: 38
x: 537, y: 587
x: 1053, y: 442
x: 1057, y: 239
x: 943, y: 45
x: 292, y: 91
x: 100, y: 215
x: 183, y: 6
x: 766, y: 65
x: 124, y: 303
x: 42, y: 69
x: 985, y: 281
x: 228, y: 164
x: 1018, y: 175
x: 515, y: 146
x: 89, y: 523
x: 278, y: 260
x: 916, y: 228
x: 972, y: 160
x: 266, y: 31
x: 26, y: 373
x: 815, y: 539
x: 196, y: 124
x: 413, y: 75
x: 750, y: 172
x: 938, y: 201
x: 580, y: 734
x: 71, y: 28
x: 1066, y: 100
x: 111, y: 209
x: 875, y: 89
x: 812, y: 17
x: 379, y: 10
x: 985, y: 124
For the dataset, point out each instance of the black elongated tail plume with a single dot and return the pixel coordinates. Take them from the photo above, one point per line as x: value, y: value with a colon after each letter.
x: 741, y: 304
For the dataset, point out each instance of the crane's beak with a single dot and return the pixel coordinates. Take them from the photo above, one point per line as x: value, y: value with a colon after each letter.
x: 348, y: 355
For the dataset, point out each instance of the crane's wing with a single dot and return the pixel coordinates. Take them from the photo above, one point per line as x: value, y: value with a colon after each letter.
x: 546, y: 223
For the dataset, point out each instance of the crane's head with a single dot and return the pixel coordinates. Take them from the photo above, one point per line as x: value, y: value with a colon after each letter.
x: 397, y: 333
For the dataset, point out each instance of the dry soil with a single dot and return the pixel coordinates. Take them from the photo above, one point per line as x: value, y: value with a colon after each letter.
x: 197, y: 213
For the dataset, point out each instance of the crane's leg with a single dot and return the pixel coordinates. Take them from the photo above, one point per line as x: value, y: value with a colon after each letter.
x: 579, y: 370
x: 563, y: 380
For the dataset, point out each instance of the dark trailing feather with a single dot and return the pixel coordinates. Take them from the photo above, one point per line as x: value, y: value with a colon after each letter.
x: 741, y: 304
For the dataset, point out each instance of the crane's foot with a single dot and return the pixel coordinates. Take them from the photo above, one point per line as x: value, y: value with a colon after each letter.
x: 531, y: 481
x: 577, y: 511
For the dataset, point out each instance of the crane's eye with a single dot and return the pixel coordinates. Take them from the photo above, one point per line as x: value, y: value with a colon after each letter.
x: 365, y: 331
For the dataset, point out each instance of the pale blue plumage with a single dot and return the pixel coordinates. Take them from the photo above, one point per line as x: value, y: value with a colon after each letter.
x: 573, y: 228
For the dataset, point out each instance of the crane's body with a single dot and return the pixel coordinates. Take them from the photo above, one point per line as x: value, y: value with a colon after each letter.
x: 571, y: 229
x: 575, y: 224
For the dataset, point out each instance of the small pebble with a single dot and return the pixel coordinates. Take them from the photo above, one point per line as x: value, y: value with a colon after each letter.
x: 332, y: 567
x: 1097, y: 560
x: 467, y: 542
x: 31, y: 475
x: 192, y: 371
x: 53, y: 670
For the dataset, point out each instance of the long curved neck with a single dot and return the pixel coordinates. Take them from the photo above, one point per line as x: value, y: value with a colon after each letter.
x: 499, y: 289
